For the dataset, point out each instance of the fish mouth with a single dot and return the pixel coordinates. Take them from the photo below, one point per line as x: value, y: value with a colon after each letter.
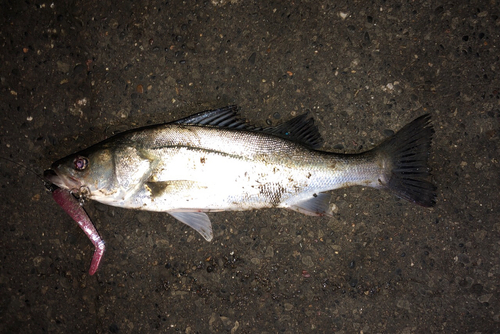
x: 65, y: 182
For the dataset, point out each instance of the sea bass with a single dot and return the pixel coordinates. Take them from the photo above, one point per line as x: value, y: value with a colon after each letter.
x: 216, y: 161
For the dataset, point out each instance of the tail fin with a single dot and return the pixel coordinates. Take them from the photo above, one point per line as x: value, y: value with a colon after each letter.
x: 407, y: 153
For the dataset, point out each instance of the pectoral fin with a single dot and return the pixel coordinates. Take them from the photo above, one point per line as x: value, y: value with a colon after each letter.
x: 315, y: 206
x: 197, y: 220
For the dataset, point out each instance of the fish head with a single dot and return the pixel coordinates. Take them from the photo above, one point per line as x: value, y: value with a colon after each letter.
x: 84, y: 173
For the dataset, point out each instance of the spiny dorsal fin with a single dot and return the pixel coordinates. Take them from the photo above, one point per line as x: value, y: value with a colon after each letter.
x: 226, y: 117
x: 300, y: 129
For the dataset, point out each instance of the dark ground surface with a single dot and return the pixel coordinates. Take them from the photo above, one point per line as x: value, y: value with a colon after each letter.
x: 74, y: 72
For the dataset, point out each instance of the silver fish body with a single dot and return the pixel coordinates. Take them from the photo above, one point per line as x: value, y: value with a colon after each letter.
x: 213, y: 161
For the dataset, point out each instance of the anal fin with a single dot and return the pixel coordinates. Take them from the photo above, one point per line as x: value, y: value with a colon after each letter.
x: 319, y: 205
x: 197, y: 220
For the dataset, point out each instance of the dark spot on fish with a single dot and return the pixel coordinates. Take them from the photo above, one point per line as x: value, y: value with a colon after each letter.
x: 156, y: 188
x: 202, y: 160
x: 308, y: 175
x: 315, y: 195
x: 272, y: 192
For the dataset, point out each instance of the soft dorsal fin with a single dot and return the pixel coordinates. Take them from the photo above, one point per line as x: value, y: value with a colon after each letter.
x: 300, y: 129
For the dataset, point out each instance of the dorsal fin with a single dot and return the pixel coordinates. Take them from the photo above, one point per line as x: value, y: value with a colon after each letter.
x: 300, y: 129
x: 226, y: 117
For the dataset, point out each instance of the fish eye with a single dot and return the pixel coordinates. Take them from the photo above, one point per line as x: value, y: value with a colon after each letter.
x: 81, y: 163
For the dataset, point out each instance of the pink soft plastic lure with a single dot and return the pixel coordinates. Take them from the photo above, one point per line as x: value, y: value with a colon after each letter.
x: 76, y: 211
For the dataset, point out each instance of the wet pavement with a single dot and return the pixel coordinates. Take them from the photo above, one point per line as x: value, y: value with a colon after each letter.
x: 75, y: 72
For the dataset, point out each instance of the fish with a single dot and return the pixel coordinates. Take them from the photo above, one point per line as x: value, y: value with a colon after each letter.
x: 217, y: 161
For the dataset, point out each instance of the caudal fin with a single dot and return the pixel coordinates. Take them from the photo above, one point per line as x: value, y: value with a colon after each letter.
x: 407, y: 153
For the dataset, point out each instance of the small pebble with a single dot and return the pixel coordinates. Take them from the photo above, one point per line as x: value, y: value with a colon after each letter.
x: 388, y: 133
